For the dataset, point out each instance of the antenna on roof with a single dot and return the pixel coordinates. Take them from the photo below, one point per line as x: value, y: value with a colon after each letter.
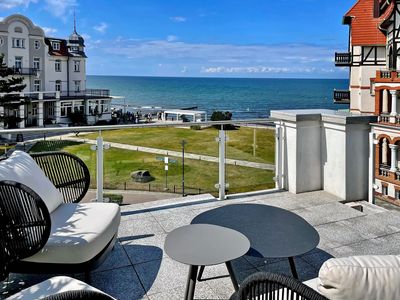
x: 74, y: 21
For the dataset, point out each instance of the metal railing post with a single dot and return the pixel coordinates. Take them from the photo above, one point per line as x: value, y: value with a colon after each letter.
x: 278, y: 157
x: 371, y: 169
x: 99, y: 174
x: 221, y: 181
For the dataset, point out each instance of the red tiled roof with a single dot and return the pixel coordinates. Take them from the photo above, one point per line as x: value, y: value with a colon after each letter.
x: 364, y: 27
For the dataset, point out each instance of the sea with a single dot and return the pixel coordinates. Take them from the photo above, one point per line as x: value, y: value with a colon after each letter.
x: 246, y: 98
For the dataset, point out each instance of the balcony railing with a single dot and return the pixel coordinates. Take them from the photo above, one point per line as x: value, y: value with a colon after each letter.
x: 384, y: 170
x: 343, y: 59
x: 24, y: 71
x: 87, y: 94
x: 387, y: 76
x: 341, y: 97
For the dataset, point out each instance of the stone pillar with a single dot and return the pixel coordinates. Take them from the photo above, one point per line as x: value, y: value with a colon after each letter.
x: 393, y: 165
x: 22, y: 116
x: 40, y: 113
x: 394, y: 103
x: 384, y: 151
x: 385, y: 102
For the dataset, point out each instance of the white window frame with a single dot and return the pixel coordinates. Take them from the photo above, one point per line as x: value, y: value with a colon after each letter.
x: 57, y: 65
x: 56, y: 46
x: 36, y: 45
x: 66, y: 107
x: 77, y: 84
x: 18, y: 43
x: 36, y: 85
x: 77, y: 66
x: 18, y: 62
x: 36, y: 63
x: 35, y: 109
x: 58, y: 85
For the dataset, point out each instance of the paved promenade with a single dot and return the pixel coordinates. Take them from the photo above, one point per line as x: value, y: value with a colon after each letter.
x: 235, y: 162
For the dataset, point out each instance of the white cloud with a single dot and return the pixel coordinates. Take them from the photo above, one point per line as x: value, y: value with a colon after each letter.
x: 86, y: 36
x: 172, y: 38
x: 8, y: 4
x: 60, y: 8
x: 49, y: 31
x: 178, y: 19
x: 102, y: 27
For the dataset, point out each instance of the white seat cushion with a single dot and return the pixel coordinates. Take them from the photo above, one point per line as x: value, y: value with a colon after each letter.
x: 54, y: 285
x: 21, y: 167
x: 360, y: 277
x: 79, y: 232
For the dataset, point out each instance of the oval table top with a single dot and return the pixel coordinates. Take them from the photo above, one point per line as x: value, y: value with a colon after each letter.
x: 273, y: 232
x: 205, y: 244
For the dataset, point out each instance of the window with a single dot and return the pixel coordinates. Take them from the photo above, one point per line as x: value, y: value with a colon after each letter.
x: 55, y: 45
x: 74, y: 48
x: 18, y: 29
x: 18, y: 62
x: 58, y: 85
x: 77, y: 65
x: 18, y: 43
x: 66, y: 108
x: 78, y: 106
x: 36, y: 63
x: 37, y: 45
x: 384, y: 190
x: 397, y: 194
x: 57, y: 65
x: 77, y: 85
x: 36, y: 85
x: 34, y: 109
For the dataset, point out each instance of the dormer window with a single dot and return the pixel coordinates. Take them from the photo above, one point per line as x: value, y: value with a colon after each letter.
x: 18, y: 29
x: 55, y: 45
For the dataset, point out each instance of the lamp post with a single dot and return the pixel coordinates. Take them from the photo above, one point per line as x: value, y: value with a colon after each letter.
x: 183, y: 143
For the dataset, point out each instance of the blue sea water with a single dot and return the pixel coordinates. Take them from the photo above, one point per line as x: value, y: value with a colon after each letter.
x: 244, y: 97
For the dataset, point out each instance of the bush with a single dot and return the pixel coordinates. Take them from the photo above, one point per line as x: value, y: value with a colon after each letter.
x: 114, y: 198
x: 195, y: 127
x: 222, y: 116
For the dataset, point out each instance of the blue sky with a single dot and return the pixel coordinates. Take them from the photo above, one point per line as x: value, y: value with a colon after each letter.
x: 208, y: 38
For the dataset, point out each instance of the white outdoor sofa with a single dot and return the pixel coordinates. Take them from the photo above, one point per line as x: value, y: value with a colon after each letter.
x: 65, y: 236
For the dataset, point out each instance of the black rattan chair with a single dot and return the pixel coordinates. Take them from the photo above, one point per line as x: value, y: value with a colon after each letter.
x: 67, y: 172
x: 264, y: 285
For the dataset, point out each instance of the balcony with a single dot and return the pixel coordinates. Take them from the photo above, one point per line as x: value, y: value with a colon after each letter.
x: 343, y: 59
x: 341, y: 97
x: 24, y: 71
x: 138, y: 267
x: 387, y: 76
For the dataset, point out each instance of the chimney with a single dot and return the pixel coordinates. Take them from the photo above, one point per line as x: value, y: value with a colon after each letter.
x: 376, y: 8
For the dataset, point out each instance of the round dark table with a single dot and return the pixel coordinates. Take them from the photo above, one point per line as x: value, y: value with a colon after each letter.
x: 205, y: 245
x: 273, y: 232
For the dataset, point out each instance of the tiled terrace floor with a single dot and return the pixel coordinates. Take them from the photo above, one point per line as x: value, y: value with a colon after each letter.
x: 139, y: 268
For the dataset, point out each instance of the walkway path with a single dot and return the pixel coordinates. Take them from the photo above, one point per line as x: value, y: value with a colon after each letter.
x: 243, y: 163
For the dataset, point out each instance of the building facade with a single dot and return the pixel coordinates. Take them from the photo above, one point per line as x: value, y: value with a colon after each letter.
x: 374, y: 60
x: 54, y: 72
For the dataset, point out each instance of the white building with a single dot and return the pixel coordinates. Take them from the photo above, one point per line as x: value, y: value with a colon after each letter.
x: 54, y: 71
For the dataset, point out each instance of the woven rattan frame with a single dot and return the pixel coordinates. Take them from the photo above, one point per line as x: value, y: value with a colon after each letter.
x: 67, y: 172
x: 264, y: 285
x: 24, y: 224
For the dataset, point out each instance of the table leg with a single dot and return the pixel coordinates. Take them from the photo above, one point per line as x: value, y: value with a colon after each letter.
x: 293, y: 267
x: 232, y: 275
x: 191, y: 282
x: 200, y: 273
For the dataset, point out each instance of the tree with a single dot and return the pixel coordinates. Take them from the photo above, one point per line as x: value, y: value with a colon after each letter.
x: 222, y: 116
x: 10, y: 84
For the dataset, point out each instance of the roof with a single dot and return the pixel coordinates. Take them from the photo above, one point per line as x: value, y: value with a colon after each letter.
x: 184, y: 112
x: 364, y: 26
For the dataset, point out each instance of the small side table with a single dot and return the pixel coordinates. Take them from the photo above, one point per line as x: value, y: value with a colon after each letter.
x: 205, y: 245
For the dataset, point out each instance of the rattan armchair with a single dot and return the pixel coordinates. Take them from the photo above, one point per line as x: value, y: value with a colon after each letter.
x: 264, y: 285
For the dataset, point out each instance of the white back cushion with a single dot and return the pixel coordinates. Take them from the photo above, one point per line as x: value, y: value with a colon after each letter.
x: 21, y: 167
x: 360, y: 277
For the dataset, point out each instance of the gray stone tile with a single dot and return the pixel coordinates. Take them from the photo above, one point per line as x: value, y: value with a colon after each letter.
x: 328, y: 213
x: 117, y: 258
x: 367, y: 247
x: 304, y: 269
x: 139, y: 228
x: 338, y: 234
x: 174, y: 221
x: 136, y: 215
x: 121, y: 283
x: 145, y: 249
x: 261, y: 261
x: 160, y: 275
x: 202, y: 291
x: 316, y: 258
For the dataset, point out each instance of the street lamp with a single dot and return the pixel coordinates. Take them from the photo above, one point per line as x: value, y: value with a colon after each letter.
x: 183, y: 143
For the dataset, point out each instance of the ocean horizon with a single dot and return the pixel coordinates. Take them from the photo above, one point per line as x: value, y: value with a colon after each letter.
x: 246, y: 98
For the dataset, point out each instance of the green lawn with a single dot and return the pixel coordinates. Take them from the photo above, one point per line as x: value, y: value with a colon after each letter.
x: 239, y: 146
x: 119, y: 163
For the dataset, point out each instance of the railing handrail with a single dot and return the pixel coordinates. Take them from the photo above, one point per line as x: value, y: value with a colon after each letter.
x: 127, y: 126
